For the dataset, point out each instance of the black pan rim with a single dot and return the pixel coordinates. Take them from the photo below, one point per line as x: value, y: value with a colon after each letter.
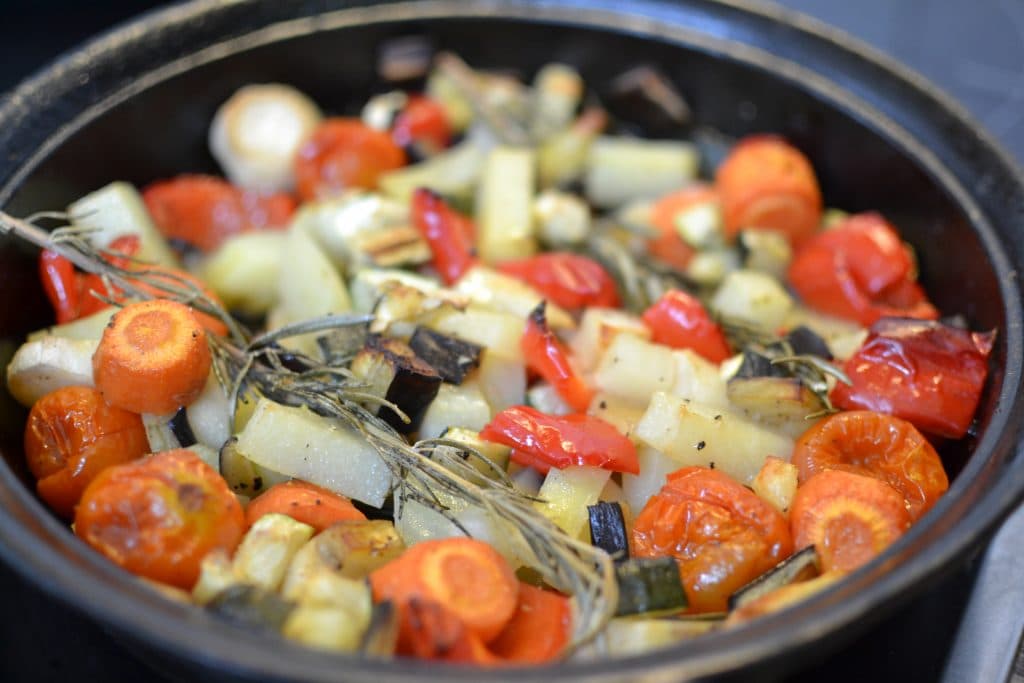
x: 841, y: 607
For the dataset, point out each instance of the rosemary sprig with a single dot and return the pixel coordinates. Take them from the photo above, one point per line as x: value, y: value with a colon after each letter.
x: 422, y: 471
x: 504, y: 126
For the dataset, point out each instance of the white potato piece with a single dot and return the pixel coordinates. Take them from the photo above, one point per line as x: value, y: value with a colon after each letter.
x: 89, y: 327
x: 567, y: 493
x: 598, y: 328
x: 245, y: 270
x: 620, y: 169
x: 495, y: 290
x: 256, y: 133
x: 115, y: 210
x: 698, y: 380
x: 634, y: 369
x: 456, y: 406
x: 502, y: 380
x: 621, y: 413
x: 776, y: 482
x: 452, y: 173
x: 47, y: 364
x: 209, y: 416
x: 655, y: 467
x: 298, y: 443
x: 266, y: 550
x: 504, y: 205
x: 368, y: 285
x: 545, y: 398
x: 754, y: 298
x: 694, y: 434
x: 495, y: 331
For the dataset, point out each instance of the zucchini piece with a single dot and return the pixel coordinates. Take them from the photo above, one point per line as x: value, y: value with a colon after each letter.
x: 620, y: 170
x: 567, y: 493
x: 351, y: 550
x: 456, y: 406
x: 754, y: 364
x: 781, y: 598
x: 452, y: 358
x: 394, y: 372
x: 50, y: 363
x: 251, y: 606
x: 649, y: 585
x: 608, y: 529
x: 381, y: 636
x: 504, y: 208
x: 301, y: 444
x: 118, y: 209
x: 242, y: 475
x: 800, y: 565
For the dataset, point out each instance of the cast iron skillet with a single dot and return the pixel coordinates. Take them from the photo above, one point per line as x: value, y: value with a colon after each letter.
x: 135, y: 105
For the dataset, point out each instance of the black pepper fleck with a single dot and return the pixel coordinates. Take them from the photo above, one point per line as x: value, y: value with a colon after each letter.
x: 701, y: 445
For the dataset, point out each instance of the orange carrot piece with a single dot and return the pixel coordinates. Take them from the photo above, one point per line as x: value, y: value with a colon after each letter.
x: 766, y: 183
x: 153, y: 357
x: 428, y: 630
x: 669, y: 246
x: 465, y: 576
x: 539, y: 630
x: 303, y: 502
x: 849, y: 518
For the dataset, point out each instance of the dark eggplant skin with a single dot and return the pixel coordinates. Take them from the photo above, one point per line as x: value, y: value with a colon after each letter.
x: 608, y: 529
x: 411, y: 382
x: 796, y: 566
x: 452, y: 358
x: 880, y: 139
x: 649, y: 585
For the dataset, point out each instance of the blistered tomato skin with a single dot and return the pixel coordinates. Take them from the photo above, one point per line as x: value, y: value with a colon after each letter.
x: 925, y: 372
x: 545, y: 354
x: 722, y: 535
x: 569, y: 280
x: 875, y: 445
x: 680, y: 321
x: 71, y: 436
x: 343, y: 154
x: 158, y: 517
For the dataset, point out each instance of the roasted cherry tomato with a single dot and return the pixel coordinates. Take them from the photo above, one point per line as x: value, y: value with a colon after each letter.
x: 669, y: 247
x: 204, y: 211
x: 848, y: 517
x: 680, y: 321
x: 423, y: 121
x: 70, y: 292
x: 722, y: 535
x: 342, y: 154
x: 922, y: 371
x: 766, y: 183
x: 449, y: 234
x: 569, y: 280
x: 71, y: 436
x: 545, y: 441
x: 160, y: 516
x: 545, y: 354
x: 875, y: 445
x: 859, y: 270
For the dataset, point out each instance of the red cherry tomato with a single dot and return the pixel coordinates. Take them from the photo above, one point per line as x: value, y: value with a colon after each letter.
x: 680, y: 321
x: 669, y: 246
x: 722, y: 535
x: 71, y: 436
x: 449, y: 234
x: 569, y: 280
x: 875, y: 445
x: 344, y: 153
x: 925, y: 372
x: 160, y: 516
x: 422, y: 121
x: 859, y: 270
x: 204, y: 211
x: 548, y: 357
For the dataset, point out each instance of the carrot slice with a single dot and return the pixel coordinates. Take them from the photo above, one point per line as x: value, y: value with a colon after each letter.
x: 539, y: 630
x: 766, y: 183
x: 153, y: 357
x: 303, y: 502
x: 427, y: 630
x: 465, y: 576
x: 848, y: 517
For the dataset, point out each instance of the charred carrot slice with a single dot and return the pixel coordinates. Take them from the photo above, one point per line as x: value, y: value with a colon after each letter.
x: 769, y: 184
x: 539, y: 630
x: 465, y: 576
x: 152, y: 358
x: 848, y: 517
x: 875, y: 445
x: 427, y: 630
x: 303, y: 502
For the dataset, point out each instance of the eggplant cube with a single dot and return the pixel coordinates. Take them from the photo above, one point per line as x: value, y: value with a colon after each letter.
x: 392, y: 370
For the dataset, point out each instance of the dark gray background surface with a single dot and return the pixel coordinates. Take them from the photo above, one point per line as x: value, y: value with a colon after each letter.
x: 973, y: 50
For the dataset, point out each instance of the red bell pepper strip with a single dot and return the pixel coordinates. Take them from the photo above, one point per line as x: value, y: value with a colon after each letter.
x: 448, y: 233
x: 545, y: 354
x: 680, y: 321
x: 205, y: 211
x: 861, y: 271
x: 69, y: 290
x: 922, y: 371
x: 569, y: 280
x: 422, y: 121
x: 545, y: 441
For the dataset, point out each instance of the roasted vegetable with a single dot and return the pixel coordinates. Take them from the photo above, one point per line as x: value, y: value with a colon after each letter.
x: 608, y: 529
x: 800, y: 565
x: 649, y: 585
x: 452, y: 358
x: 393, y: 371
x: 252, y: 606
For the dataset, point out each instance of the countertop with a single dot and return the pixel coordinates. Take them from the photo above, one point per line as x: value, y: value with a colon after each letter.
x: 973, y: 50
